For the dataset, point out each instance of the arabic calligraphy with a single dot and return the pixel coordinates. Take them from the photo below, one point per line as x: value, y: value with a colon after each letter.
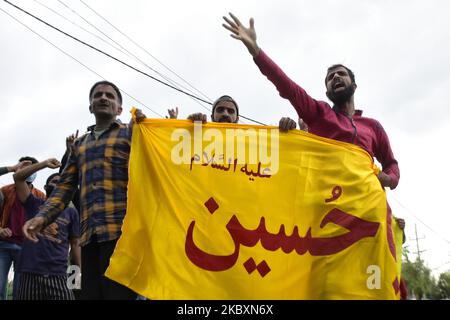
x: 316, y: 246
x: 335, y: 194
x: 262, y: 267
x: 231, y: 164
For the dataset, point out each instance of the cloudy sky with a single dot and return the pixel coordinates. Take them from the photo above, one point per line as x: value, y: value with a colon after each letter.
x: 399, y: 51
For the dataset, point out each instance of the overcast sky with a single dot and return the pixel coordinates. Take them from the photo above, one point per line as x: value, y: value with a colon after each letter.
x: 399, y: 51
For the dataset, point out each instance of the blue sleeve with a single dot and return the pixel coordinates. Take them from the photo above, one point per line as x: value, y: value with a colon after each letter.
x: 32, y: 205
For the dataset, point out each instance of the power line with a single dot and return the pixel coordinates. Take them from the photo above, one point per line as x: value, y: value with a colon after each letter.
x: 160, y: 62
x: 129, y: 53
x: 80, y: 27
x: 72, y: 57
x: 418, y: 219
x: 108, y: 43
x: 146, y: 51
x: 143, y: 49
x: 106, y: 54
x: 118, y: 60
x: 263, y: 124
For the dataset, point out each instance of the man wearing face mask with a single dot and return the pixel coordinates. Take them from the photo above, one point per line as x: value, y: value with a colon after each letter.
x: 43, y: 265
x: 12, y: 218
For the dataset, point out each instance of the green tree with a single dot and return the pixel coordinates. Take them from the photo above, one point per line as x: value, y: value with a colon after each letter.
x: 443, y: 285
x: 419, y: 280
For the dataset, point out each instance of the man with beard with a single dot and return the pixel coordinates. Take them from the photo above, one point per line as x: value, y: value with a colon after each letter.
x: 43, y: 265
x: 225, y: 109
x: 340, y: 122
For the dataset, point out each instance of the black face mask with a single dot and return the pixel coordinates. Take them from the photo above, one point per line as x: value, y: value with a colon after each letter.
x: 48, y: 190
x: 343, y: 96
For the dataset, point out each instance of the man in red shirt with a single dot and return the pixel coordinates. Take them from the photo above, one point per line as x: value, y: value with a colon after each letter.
x: 340, y: 122
x: 12, y: 218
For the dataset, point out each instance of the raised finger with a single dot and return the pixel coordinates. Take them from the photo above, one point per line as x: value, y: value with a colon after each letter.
x: 252, y: 23
x: 236, y: 20
x: 234, y: 30
x: 231, y: 23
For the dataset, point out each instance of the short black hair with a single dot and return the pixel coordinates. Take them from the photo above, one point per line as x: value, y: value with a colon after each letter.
x: 50, y: 177
x: 106, y: 83
x: 225, y: 98
x: 33, y: 160
x: 335, y: 66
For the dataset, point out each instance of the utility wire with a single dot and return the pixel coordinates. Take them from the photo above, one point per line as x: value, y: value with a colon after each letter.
x: 153, y: 57
x: 423, y: 223
x: 130, y: 54
x: 80, y: 27
x: 106, y: 54
x: 118, y: 60
x: 108, y: 43
x: 81, y: 63
x: 143, y: 49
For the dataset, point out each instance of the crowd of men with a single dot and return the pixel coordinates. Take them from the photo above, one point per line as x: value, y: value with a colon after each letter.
x: 84, y: 204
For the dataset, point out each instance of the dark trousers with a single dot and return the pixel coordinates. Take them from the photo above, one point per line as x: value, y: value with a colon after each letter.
x: 38, y: 287
x: 94, y: 285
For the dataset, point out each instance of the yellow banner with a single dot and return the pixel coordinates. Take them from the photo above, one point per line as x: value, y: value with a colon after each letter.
x: 225, y: 211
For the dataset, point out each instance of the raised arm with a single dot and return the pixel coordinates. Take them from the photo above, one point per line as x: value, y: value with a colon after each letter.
x: 173, y: 113
x: 246, y: 35
x: 14, y: 168
x: 54, y: 205
x: 70, y: 140
x: 7, y: 169
x: 307, y: 108
x: 22, y: 189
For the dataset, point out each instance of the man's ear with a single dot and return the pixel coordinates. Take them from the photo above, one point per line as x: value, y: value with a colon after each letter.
x: 237, y: 119
x: 119, y: 110
x: 90, y: 108
x: 328, y: 95
x: 354, y: 86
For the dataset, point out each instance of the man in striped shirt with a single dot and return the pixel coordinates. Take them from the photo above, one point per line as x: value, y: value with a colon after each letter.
x: 98, y: 164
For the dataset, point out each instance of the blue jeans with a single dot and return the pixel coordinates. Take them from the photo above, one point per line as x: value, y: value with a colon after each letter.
x: 9, y: 254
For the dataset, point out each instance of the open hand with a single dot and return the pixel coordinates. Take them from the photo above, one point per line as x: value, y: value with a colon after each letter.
x: 246, y: 35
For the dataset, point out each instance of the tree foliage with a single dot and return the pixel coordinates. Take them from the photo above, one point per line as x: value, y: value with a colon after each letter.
x: 421, y: 284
